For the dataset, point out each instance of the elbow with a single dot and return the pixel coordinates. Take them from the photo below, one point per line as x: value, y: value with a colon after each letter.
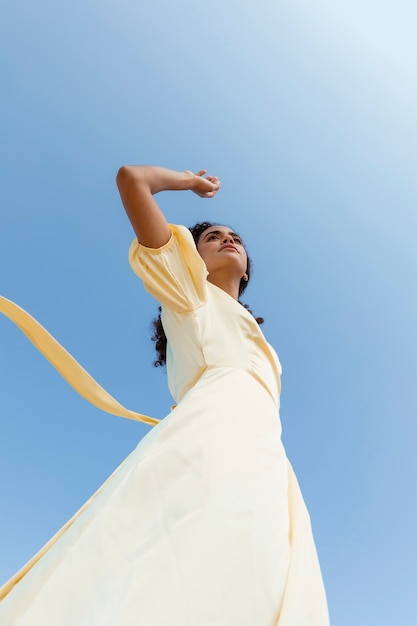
x: 132, y: 176
x: 124, y: 175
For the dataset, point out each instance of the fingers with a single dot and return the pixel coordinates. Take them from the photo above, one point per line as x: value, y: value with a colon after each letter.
x: 208, y: 186
x: 210, y: 194
x: 211, y: 179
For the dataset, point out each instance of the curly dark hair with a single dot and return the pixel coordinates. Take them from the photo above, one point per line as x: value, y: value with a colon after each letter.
x: 159, y: 336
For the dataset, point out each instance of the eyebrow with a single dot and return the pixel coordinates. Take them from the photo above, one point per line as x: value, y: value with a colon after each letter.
x: 219, y: 232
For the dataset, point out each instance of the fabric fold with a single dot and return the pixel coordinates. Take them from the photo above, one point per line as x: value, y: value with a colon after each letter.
x: 8, y: 586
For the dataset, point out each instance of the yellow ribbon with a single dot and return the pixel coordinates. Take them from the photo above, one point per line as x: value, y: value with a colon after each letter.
x: 66, y: 365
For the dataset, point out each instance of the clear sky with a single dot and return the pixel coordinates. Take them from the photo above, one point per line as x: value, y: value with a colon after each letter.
x: 307, y: 113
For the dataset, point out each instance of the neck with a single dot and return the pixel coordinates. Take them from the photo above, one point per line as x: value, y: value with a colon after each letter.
x: 229, y: 284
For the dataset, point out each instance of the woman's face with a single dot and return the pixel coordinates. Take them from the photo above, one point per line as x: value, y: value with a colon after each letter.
x: 221, y: 249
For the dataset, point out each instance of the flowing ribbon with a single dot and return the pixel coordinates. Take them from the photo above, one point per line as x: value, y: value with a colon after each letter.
x: 66, y: 365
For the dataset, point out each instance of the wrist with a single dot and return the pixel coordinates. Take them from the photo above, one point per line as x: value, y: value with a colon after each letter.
x: 162, y: 179
x: 188, y: 180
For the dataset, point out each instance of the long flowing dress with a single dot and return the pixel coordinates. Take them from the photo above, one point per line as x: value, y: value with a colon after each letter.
x: 203, y: 524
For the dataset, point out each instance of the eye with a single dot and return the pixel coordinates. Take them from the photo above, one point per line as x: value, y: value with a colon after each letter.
x: 238, y: 240
x: 212, y: 237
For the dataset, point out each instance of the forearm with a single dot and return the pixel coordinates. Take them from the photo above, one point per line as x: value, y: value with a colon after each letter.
x: 155, y: 178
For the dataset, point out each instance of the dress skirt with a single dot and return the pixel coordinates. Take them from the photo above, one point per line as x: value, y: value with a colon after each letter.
x: 193, y: 528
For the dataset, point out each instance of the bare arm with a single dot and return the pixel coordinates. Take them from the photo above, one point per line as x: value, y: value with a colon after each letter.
x: 137, y: 185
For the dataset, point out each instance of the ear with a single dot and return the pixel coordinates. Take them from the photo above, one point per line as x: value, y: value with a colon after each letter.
x: 245, y: 277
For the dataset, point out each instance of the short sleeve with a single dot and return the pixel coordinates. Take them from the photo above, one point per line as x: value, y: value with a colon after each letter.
x: 175, y: 274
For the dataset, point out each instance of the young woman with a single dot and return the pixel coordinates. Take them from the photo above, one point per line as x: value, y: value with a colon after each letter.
x: 204, y: 523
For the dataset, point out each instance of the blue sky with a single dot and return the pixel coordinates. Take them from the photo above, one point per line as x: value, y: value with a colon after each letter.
x: 306, y: 112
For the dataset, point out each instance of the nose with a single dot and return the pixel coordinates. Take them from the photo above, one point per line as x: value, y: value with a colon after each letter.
x: 228, y: 239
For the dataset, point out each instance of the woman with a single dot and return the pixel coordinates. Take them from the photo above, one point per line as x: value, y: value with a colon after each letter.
x: 204, y: 523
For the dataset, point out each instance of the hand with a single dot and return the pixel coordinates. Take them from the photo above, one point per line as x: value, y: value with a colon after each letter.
x: 204, y: 186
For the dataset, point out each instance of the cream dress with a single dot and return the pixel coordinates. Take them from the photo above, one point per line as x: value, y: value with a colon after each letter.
x: 203, y: 524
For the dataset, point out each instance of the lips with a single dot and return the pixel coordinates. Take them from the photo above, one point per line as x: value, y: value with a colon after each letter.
x: 229, y: 247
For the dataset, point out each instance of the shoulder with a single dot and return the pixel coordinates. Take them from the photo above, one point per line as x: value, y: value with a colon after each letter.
x: 174, y: 274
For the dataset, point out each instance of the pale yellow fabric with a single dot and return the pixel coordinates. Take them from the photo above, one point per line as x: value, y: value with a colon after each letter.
x: 204, y: 523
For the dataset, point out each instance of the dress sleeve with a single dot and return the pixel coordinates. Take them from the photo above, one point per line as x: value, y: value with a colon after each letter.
x: 175, y: 274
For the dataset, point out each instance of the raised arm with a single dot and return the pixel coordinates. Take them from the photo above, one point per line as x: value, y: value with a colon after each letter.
x: 138, y: 184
